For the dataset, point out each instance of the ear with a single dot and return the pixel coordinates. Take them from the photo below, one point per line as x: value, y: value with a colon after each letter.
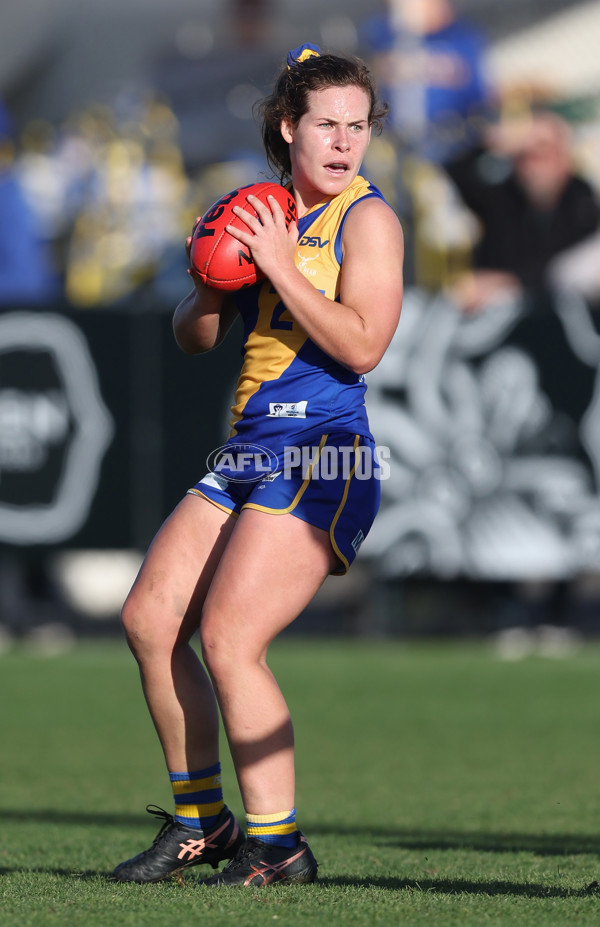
x: 286, y: 130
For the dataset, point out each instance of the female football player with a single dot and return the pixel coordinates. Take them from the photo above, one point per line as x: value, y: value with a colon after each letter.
x: 245, y: 552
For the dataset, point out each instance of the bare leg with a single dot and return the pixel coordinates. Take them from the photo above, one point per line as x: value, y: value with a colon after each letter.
x: 272, y: 567
x: 161, y: 614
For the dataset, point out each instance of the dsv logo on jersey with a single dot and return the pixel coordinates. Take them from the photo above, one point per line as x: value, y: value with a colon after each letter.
x: 242, y: 463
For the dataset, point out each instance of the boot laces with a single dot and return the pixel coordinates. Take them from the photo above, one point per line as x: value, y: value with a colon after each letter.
x: 160, y: 813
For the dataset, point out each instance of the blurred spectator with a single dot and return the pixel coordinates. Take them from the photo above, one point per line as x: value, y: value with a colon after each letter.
x: 522, y: 183
x: 127, y: 192
x: 26, y: 272
x: 249, y: 22
x: 430, y: 65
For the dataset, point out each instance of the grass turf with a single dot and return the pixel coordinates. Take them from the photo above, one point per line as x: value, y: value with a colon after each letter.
x: 436, y: 784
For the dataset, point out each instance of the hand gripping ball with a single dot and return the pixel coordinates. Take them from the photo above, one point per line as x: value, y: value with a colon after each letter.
x: 218, y: 258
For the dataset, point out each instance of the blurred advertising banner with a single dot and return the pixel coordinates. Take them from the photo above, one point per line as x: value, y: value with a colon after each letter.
x: 104, y: 424
x: 493, y: 425
x: 55, y: 428
x: 490, y: 425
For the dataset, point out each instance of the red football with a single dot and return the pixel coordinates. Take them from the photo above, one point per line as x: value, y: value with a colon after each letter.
x: 218, y: 258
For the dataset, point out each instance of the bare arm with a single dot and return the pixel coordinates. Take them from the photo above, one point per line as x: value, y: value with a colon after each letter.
x: 203, y: 317
x: 357, y: 330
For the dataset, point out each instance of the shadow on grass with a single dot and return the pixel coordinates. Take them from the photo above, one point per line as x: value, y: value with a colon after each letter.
x: 460, y: 886
x: 85, y: 818
x: 540, y: 844
x: 82, y: 875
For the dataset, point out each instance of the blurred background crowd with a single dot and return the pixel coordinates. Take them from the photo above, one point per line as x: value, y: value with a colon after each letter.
x: 122, y: 120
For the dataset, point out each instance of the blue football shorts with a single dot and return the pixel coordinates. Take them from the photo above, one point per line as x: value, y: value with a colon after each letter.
x: 334, y: 485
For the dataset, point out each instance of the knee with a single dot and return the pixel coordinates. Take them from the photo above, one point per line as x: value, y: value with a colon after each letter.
x: 221, y: 651
x: 212, y: 647
x: 147, y: 635
x: 230, y: 647
x: 133, y: 624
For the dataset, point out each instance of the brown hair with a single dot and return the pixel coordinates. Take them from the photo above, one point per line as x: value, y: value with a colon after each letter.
x: 289, y: 100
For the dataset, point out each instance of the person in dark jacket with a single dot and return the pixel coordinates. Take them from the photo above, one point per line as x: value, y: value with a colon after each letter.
x: 523, y: 186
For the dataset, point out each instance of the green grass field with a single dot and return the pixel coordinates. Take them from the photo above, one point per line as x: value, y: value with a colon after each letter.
x: 437, y: 784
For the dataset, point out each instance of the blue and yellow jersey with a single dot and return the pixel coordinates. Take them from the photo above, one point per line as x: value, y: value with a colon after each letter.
x: 290, y: 392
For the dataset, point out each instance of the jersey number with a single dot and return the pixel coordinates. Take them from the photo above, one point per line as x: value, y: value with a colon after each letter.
x: 277, y: 321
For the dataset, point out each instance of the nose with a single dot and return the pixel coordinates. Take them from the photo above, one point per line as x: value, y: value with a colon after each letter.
x: 342, y: 139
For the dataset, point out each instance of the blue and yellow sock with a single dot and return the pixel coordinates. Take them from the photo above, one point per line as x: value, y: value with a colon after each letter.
x: 198, y: 796
x: 278, y: 829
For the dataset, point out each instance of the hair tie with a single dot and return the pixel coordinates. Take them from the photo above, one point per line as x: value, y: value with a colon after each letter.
x: 297, y: 55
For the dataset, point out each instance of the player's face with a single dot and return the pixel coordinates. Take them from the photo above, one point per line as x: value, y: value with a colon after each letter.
x: 328, y: 144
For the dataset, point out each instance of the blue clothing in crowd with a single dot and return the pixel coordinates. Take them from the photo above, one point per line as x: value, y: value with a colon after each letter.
x: 451, y: 92
x: 26, y: 274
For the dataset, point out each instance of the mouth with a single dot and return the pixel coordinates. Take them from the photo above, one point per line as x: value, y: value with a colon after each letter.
x: 337, y: 167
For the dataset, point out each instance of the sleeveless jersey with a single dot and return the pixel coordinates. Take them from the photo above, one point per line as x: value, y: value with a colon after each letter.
x: 290, y: 392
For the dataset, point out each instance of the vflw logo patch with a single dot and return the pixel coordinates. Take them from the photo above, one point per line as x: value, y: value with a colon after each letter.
x: 287, y: 409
